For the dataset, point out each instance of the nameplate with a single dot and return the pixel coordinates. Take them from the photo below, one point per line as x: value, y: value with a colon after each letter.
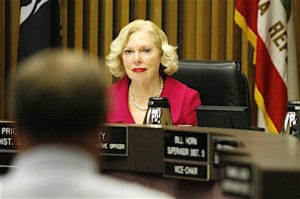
x: 237, y: 179
x: 186, y: 146
x: 113, y: 141
x: 189, y: 171
x: 7, y: 131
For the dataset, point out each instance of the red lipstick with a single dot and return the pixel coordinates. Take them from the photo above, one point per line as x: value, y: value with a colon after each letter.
x: 139, y: 70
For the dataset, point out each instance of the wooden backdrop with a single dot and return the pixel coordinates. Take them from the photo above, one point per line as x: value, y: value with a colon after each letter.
x: 202, y: 29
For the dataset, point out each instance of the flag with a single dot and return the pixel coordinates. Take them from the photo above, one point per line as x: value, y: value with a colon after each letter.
x: 266, y: 25
x: 39, y: 26
x: 246, y: 17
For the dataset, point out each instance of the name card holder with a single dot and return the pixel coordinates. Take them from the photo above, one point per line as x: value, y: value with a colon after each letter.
x: 7, y: 131
x: 113, y: 141
x: 186, y: 155
x: 188, y: 171
x: 238, y: 179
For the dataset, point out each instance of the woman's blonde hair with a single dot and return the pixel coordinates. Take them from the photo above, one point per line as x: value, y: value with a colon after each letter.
x: 169, y: 59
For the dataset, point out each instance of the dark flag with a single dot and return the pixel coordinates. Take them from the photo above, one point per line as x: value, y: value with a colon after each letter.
x: 39, y: 26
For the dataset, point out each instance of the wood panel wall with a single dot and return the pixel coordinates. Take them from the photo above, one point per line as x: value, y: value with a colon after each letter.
x: 2, y: 58
x: 202, y: 29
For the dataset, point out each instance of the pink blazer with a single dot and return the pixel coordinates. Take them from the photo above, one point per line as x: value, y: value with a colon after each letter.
x: 183, y: 101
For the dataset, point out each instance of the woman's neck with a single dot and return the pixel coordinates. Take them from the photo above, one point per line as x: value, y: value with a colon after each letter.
x: 142, y: 91
x: 139, y: 95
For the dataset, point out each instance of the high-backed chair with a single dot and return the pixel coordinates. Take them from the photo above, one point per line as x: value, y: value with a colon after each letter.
x: 219, y: 83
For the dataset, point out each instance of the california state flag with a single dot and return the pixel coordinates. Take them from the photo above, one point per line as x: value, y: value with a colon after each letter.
x: 276, y: 68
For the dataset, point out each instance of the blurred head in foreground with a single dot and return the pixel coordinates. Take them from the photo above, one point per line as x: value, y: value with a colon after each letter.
x: 59, y: 97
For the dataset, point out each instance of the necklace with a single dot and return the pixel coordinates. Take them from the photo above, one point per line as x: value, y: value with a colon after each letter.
x: 132, y: 99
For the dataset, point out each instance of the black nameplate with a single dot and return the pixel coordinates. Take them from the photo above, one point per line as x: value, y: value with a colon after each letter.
x: 237, y: 179
x: 113, y: 141
x: 188, y: 171
x: 186, y: 146
x: 7, y: 132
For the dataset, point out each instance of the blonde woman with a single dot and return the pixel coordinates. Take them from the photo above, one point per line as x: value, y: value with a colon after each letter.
x: 142, y: 59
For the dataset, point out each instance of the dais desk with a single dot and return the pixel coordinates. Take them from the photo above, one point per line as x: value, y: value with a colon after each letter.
x: 194, y: 162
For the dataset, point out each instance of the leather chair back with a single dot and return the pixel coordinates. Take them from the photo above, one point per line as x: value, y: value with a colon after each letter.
x: 219, y: 83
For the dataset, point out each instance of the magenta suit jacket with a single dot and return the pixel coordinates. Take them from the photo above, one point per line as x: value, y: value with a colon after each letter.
x: 183, y: 102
